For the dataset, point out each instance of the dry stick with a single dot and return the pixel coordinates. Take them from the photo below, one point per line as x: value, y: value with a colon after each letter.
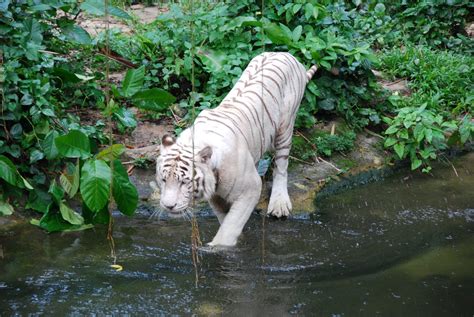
x: 195, y: 237
x: 373, y: 133
x: 310, y: 143
x: 263, y: 128
x: 110, y: 236
x: 300, y: 160
x: 332, y: 165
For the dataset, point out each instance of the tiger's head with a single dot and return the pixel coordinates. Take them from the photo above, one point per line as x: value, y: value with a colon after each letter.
x: 175, y: 178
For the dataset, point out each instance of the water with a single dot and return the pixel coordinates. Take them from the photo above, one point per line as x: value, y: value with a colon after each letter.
x: 403, y: 246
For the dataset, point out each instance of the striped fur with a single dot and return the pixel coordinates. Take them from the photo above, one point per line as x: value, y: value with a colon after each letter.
x: 256, y: 116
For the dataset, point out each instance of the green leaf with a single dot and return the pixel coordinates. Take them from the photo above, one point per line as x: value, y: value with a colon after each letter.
x: 74, y: 144
x: 399, y: 149
x: 133, y: 81
x: 25, y: 182
x: 8, y: 171
x: 124, y: 192
x: 327, y: 104
x: 92, y: 217
x: 155, y: 99
x: 70, y: 215
x: 296, y: 8
x: 49, y: 147
x: 276, y: 34
x: 213, y: 60
x: 52, y: 220
x: 308, y: 11
x: 241, y: 21
x: 390, y: 142
x: 392, y: 129
x: 379, y: 8
x: 38, y: 200
x: 97, y: 7
x: 95, y: 184
x: 4, y: 5
x: 415, y: 164
x: 56, y: 191
x: 5, y: 208
x: 33, y: 30
x: 35, y: 156
x: 419, y: 132
x: 297, y: 33
x: 111, y: 153
x: 428, y: 135
x: 70, y: 183
x: 75, y: 33
x: 126, y: 117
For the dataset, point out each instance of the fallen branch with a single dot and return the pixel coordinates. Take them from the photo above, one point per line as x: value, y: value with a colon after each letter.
x: 300, y: 160
x: 332, y: 165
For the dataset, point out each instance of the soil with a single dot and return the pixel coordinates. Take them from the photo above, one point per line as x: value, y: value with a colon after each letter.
x: 139, y: 12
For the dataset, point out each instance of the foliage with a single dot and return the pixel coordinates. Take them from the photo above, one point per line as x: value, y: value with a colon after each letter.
x: 446, y: 75
x: 417, y: 133
x: 227, y: 36
x: 437, y: 23
x: 40, y: 136
x: 437, y: 114
x: 322, y: 144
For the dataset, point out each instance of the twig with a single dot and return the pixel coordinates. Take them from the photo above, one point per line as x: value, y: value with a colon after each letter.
x: 300, y: 160
x: 337, y: 169
x: 373, y: 133
x: 307, y: 140
x: 130, y: 170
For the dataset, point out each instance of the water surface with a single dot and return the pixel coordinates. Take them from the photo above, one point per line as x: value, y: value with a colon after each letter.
x: 402, y: 246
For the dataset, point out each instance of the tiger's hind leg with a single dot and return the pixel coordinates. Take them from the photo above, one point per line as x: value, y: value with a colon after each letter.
x: 280, y: 204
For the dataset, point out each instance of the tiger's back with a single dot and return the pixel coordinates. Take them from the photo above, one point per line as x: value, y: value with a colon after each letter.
x: 261, y: 108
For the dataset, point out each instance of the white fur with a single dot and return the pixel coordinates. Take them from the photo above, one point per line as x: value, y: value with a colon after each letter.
x: 252, y: 119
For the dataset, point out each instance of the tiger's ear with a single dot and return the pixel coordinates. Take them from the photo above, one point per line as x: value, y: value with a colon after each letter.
x: 167, y: 141
x: 205, y: 154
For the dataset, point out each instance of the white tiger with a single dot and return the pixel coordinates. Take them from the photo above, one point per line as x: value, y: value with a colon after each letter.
x: 256, y: 116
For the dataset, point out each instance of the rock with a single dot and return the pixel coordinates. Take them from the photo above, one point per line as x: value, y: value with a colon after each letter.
x: 149, y: 153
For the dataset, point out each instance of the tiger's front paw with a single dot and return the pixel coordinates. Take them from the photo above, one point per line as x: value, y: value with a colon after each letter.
x: 279, y: 205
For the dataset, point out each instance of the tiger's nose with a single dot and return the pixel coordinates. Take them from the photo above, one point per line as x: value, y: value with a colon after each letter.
x: 170, y: 207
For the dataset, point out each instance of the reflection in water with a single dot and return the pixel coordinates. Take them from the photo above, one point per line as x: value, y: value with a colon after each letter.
x: 401, y: 246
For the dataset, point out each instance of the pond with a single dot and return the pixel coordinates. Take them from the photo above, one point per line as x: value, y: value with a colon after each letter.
x: 401, y: 246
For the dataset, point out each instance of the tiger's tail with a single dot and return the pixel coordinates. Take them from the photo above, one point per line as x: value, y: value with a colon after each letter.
x: 311, y: 71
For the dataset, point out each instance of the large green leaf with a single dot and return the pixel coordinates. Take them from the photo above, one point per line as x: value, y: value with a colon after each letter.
x: 4, y: 5
x: 111, y: 153
x: 155, y: 99
x: 49, y: 147
x: 8, y: 171
x: 70, y: 215
x: 74, y: 144
x: 52, y: 220
x: 100, y: 217
x: 75, y: 33
x: 56, y: 191
x: 399, y: 149
x: 95, y: 184
x: 125, y: 193
x: 33, y: 29
x: 70, y: 182
x: 277, y: 35
x: 213, y: 60
x: 5, y: 208
x: 133, y: 81
x: 97, y: 7
x: 38, y: 200
x: 126, y: 117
